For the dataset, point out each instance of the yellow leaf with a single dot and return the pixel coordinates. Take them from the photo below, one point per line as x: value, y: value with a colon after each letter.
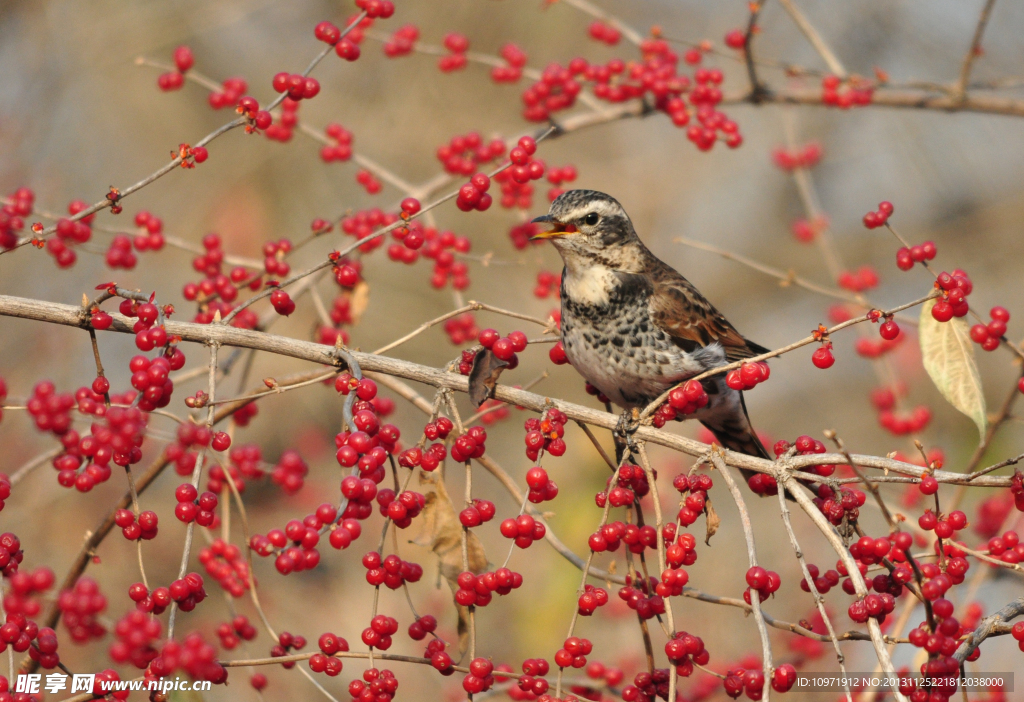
x: 948, y: 356
x: 442, y: 534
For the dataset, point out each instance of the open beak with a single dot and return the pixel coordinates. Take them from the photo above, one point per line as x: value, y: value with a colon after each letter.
x: 557, y: 230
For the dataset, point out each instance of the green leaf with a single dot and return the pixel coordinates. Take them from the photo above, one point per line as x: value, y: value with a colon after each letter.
x: 948, y: 356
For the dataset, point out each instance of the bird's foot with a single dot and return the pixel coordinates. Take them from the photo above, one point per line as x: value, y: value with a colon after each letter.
x: 629, y: 422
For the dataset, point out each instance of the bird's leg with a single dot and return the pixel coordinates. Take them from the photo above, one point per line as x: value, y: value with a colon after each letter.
x: 629, y: 422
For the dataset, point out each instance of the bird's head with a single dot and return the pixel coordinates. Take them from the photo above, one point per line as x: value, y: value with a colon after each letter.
x: 586, y: 224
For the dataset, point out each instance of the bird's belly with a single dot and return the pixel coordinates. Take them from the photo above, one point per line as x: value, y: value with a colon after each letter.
x: 625, y: 356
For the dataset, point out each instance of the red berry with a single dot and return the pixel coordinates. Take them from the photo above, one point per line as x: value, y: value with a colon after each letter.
x: 822, y: 358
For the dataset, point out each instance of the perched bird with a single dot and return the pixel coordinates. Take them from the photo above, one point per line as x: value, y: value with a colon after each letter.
x: 632, y: 326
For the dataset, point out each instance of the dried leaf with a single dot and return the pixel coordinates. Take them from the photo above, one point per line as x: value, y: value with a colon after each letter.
x: 483, y: 378
x: 359, y: 301
x: 948, y: 356
x: 442, y: 534
x: 713, y: 520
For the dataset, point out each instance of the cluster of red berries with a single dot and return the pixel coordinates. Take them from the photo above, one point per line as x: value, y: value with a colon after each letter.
x: 194, y: 507
x: 807, y: 230
x: 187, y: 591
x: 592, y: 598
x: 234, y: 632
x: 18, y: 631
x: 458, y: 45
x: 477, y: 589
x: 873, y: 606
x: 524, y: 529
x: 875, y: 348
x: 640, y: 595
x: 531, y: 684
x: 473, y: 195
x: 12, y: 216
x: 683, y: 400
x: 144, y: 527
x: 765, y: 582
x: 50, y: 410
x: 542, y: 488
x: 379, y: 686
x: 298, y: 86
x: 944, y: 526
x: 680, y: 551
x: 153, y: 601
x: 442, y: 247
x: 23, y: 586
x: 884, y: 400
x: 378, y: 634
x: 604, y: 32
x: 852, y: 93
x: 557, y: 176
x: 390, y: 571
x: 544, y: 434
x: 479, y: 512
x: 806, y: 446
x: 684, y: 649
x: 136, y: 633
x: 225, y: 563
x: 806, y: 156
x: 150, y: 233
x: 879, y: 218
x: 232, y: 89
x: 462, y: 329
x: 343, y: 533
x: 44, y: 649
x: 822, y: 583
x: 325, y: 662
x: 424, y: 625
x: 636, y: 538
x: 1008, y: 548
x: 193, y: 655
x: 748, y: 376
x: 864, y: 278
x: 404, y: 507
x: 697, y: 486
x: 285, y: 643
x: 464, y: 153
x: 281, y: 130
x: 955, y: 288
x: 376, y: 8
x: 556, y: 89
x: 469, y: 445
x: 70, y: 232
x: 10, y: 553
x: 941, y: 643
x: 428, y: 459
x: 282, y: 302
x: 515, y: 59
x: 80, y: 607
x: 574, y: 652
x: 989, y: 335
x: 918, y: 253
x: 549, y: 284
x: 401, y: 42
x: 631, y: 484
x: 172, y: 80
x: 837, y: 505
x: 290, y: 472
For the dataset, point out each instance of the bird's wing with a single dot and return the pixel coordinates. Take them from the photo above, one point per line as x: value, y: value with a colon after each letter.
x: 681, y: 311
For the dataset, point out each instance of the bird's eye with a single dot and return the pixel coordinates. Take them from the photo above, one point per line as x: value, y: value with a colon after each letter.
x: 591, y: 219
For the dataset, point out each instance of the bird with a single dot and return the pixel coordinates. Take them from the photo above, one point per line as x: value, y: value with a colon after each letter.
x: 633, y: 327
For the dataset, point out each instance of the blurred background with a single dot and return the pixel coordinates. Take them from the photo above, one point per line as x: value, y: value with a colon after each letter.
x: 77, y: 114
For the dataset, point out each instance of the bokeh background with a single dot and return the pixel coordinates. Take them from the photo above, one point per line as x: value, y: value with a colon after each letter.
x: 77, y: 114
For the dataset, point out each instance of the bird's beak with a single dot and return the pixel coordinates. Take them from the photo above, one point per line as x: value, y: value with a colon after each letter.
x: 557, y: 230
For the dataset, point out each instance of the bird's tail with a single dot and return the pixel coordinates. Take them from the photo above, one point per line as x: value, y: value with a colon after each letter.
x: 737, y: 434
